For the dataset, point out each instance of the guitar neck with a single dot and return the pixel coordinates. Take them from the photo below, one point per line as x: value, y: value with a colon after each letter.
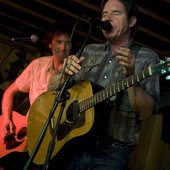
x: 114, y: 89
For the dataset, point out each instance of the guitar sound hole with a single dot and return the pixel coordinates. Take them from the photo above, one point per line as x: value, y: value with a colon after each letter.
x: 12, y: 143
x: 72, y: 112
x: 22, y: 133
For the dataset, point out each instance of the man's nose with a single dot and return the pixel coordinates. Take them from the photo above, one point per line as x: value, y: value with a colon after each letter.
x: 62, y: 46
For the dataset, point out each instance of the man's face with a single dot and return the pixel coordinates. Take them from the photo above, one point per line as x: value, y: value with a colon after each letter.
x: 60, y: 46
x: 115, y: 13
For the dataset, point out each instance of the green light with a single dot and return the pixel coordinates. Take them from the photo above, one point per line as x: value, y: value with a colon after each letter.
x: 163, y: 71
x: 167, y: 77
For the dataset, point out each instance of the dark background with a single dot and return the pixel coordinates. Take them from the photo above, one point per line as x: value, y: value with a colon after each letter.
x: 20, y: 18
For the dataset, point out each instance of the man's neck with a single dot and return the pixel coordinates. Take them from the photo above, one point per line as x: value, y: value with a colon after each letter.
x: 57, y: 63
x: 115, y: 44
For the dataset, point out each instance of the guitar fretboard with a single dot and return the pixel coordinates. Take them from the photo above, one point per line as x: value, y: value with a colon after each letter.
x: 114, y: 89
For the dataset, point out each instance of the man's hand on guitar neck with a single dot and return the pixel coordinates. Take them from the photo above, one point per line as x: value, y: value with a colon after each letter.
x: 73, y: 64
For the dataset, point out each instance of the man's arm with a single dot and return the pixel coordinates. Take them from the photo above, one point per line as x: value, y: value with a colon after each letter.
x: 142, y: 103
x: 8, y: 127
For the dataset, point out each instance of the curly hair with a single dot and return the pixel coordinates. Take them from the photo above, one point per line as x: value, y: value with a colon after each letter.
x: 57, y: 29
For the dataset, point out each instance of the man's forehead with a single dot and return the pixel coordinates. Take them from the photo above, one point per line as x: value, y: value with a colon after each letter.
x: 61, y: 37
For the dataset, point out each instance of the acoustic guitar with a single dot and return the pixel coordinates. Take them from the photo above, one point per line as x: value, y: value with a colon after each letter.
x: 78, y: 115
x: 17, y: 143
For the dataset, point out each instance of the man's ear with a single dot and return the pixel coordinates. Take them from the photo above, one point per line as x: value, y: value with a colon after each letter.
x: 132, y: 21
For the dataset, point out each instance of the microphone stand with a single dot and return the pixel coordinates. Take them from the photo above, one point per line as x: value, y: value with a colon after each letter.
x: 60, y: 97
x: 52, y: 143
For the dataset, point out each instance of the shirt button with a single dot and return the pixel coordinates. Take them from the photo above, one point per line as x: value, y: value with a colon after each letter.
x: 110, y: 61
x: 105, y: 77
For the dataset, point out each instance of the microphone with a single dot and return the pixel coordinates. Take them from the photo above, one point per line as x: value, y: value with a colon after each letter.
x: 105, y: 25
x: 33, y: 38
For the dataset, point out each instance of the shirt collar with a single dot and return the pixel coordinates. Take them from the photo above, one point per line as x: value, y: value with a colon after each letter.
x: 128, y: 45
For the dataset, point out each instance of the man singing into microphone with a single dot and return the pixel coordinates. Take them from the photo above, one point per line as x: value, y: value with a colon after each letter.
x: 106, y: 64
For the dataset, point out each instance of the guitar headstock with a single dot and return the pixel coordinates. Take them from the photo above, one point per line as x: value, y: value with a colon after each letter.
x: 161, y: 68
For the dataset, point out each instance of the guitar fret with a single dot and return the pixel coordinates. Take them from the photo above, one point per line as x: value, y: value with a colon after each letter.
x: 103, y: 96
x: 110, y: 91
x: 140, y: 75
x: 132, y: 80
x: 143, y: 74
x: 94, y: 100
x: 124, y: 84
x: 83, y: 106
x: 86, y: 103
x: 89, y: 103
x: 137, y: 77
x: 149, y: 71
x: 106, y: 93
x: 118, y: 89
x: 127, y: 83
x: 115, y: 88
x: 99, y: 97
x: 121, y: 86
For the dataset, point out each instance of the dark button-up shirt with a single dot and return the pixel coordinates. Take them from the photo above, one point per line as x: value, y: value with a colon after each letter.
x: 101, y: 67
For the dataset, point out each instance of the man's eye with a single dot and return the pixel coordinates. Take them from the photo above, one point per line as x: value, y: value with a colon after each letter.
x: 116, y: 13
x: 67, y: 42
x: 104, y: 15
x: 111, y: 13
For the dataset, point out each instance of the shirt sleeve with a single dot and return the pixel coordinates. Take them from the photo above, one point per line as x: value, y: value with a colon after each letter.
x: 149, y: 58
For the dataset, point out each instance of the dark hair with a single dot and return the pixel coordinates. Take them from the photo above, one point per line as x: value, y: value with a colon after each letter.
x: 56, y: 29
x: 131, y: 10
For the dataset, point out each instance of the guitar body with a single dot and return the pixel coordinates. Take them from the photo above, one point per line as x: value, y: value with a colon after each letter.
x: 78, y: 113
x: 17, y: 143
x: 38, y: 116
